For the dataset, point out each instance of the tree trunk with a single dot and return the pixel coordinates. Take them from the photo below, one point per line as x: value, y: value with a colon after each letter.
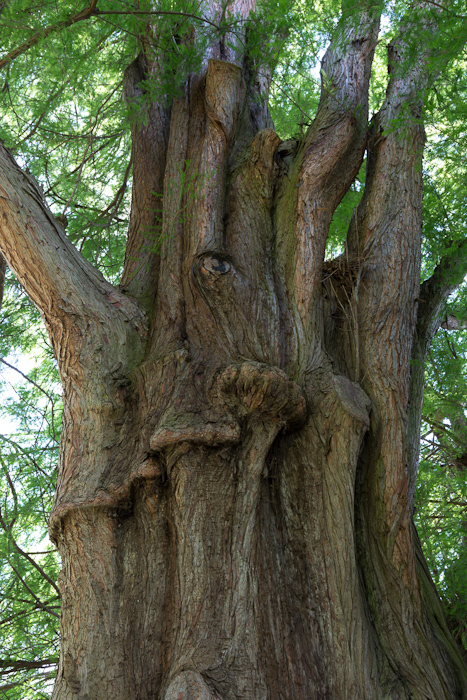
x: 232, y: 509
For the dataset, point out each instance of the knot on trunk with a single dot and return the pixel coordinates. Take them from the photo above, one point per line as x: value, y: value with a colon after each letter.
x: 211, y: 269
x: 253, y: 389
x: 211, y: 266
x: 246, y: 391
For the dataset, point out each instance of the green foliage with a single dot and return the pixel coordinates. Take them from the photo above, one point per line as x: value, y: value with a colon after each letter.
x: 445, y: 195
x: 441, y: 498
x: 441, y: 513
x: 63, y: 116
x: 30, y: 419
x: 295, y: 87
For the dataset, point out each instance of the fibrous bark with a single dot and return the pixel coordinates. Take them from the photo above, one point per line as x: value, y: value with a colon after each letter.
x: 232, y: 507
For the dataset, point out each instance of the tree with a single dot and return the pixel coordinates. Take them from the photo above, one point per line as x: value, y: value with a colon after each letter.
x: 241, y: 419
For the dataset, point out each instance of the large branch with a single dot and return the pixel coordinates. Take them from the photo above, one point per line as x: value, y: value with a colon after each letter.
x: 148, y: 154
x: 384, y: 243
x: 98, y: 333
x: 150, y: 142
x: 384, y: 238
x: 10, y: 666
x: 44, y: 33
x: 155, y: 173
x: 453, y: 323
x: 328, y: 159
x: 62, y: 284
x: 434, y: 293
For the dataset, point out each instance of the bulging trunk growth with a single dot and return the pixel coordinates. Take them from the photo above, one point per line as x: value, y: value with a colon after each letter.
x: 232, y: 510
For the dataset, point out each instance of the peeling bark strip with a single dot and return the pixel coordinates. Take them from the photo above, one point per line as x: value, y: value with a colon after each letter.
x: 233, y: 509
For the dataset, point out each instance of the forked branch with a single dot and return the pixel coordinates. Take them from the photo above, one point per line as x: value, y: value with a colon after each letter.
x: 434, y: 292
x: 329, y: 157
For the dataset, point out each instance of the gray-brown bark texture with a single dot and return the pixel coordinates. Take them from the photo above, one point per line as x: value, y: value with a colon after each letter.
x: 233, y: 508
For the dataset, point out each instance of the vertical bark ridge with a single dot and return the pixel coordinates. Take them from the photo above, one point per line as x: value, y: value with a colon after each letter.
x: 148, y: 155
x: 216, y: 495
x: 326, y: 163
x: 206, y: 271
x: 385, y: 237
x: 316, y: 482
x: 217, y: 229
x: 169, y: 312
x: 105, y: 589
x: 214, y: 123
x: 434, y: 293
x: 230, y: 47
x: 250, y: 243
x: 195, y: 187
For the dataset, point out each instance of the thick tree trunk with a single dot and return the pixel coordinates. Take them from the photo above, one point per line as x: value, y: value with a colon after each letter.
x: 232, y: 508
